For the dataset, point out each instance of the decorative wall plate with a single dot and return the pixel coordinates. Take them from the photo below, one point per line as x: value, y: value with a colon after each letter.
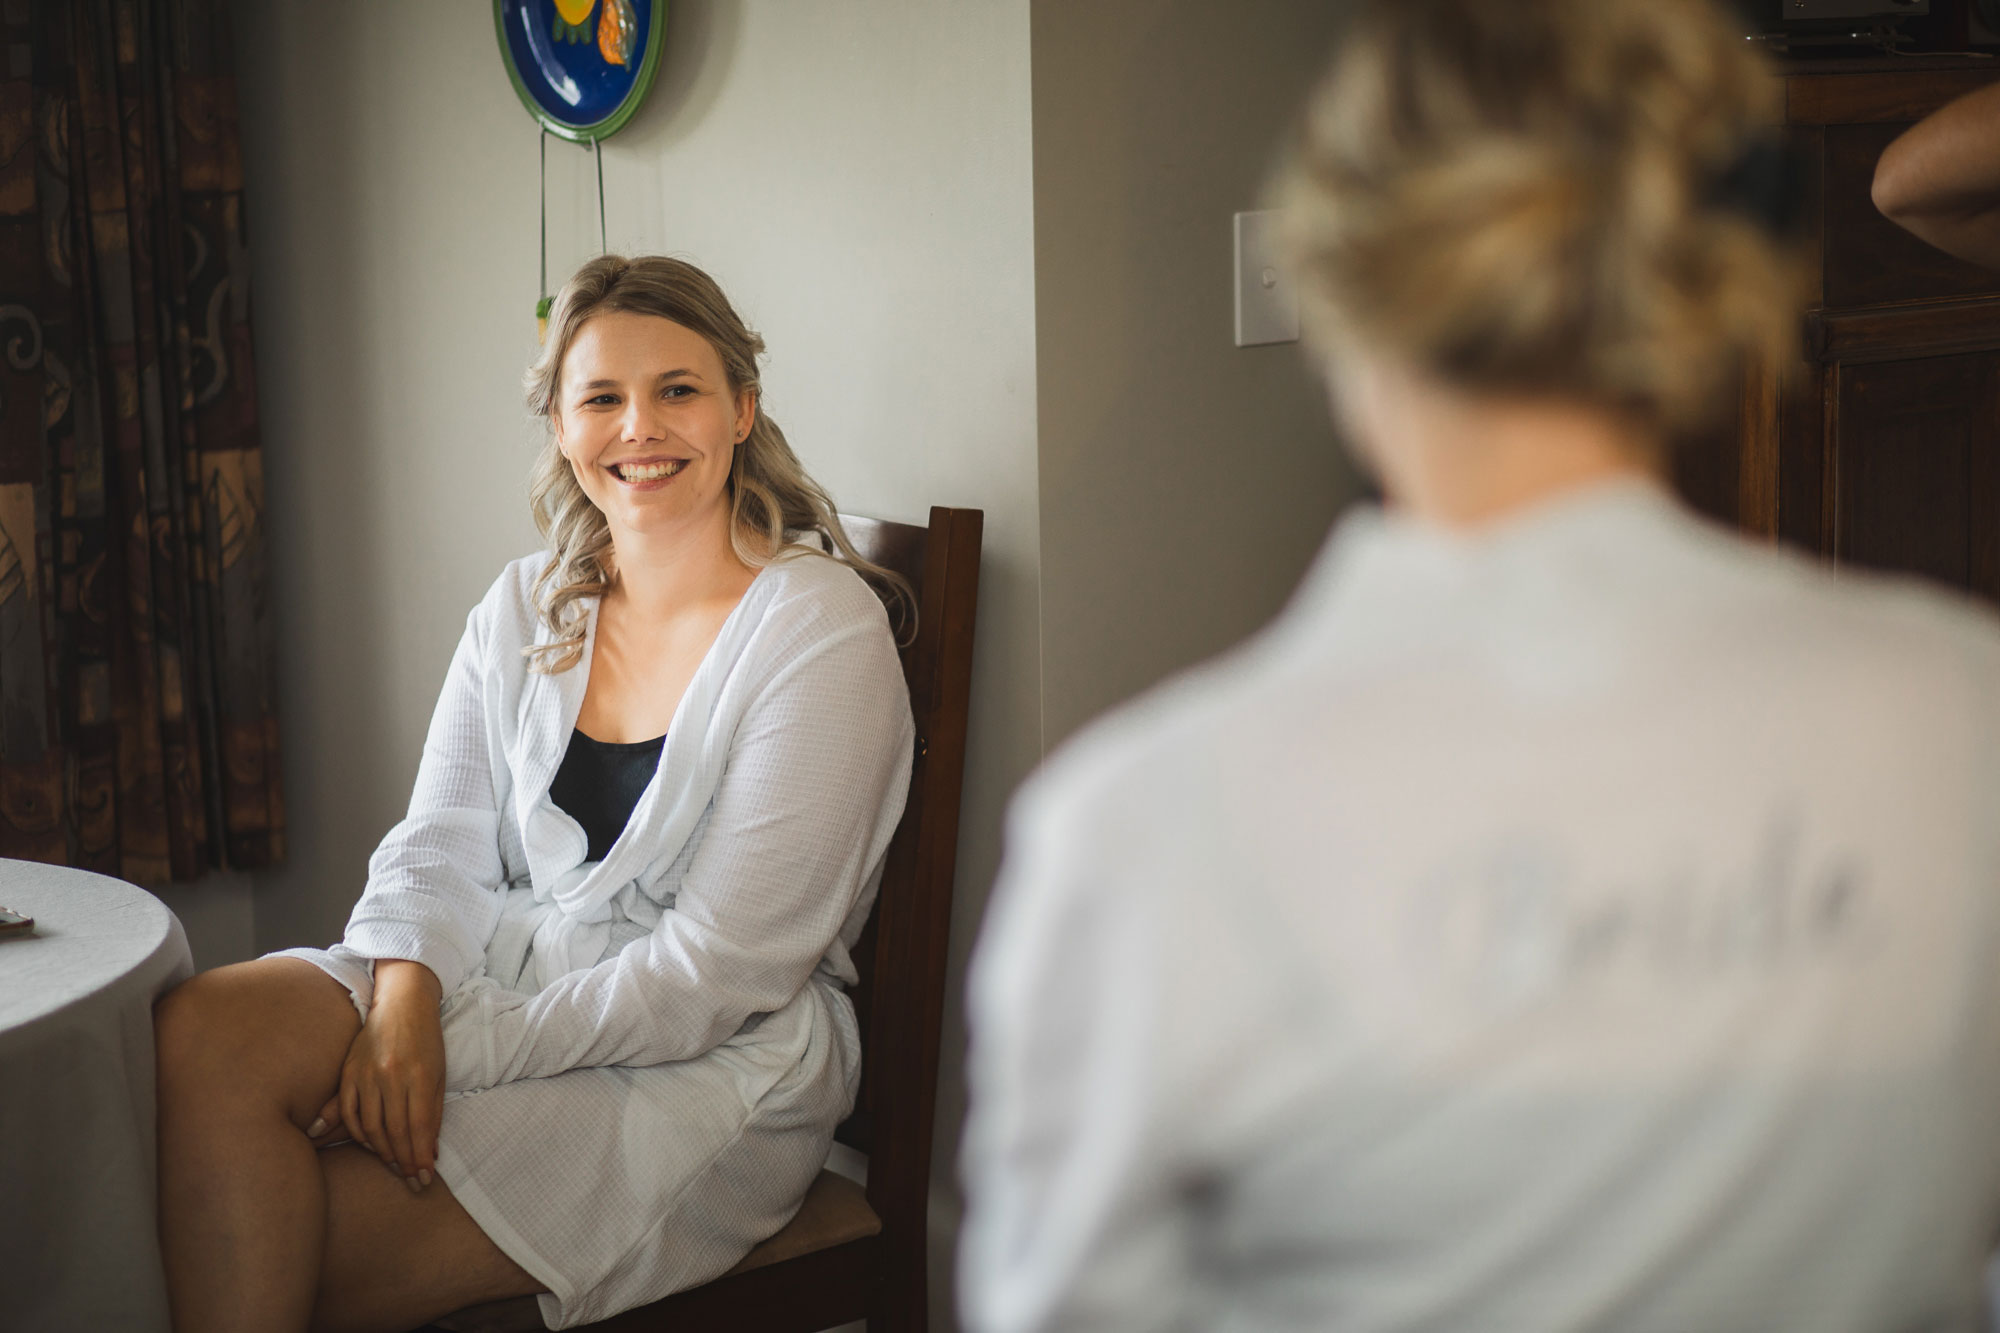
x: 581, y: 67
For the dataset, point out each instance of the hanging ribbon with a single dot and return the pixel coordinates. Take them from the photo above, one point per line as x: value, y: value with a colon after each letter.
x: 597, y: 147
x: 545, y: 301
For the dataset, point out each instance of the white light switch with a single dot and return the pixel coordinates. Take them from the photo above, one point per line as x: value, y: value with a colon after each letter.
x: 1267, y: 296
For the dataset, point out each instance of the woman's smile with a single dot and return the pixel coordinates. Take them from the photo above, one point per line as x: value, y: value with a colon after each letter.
x: 647, y: 474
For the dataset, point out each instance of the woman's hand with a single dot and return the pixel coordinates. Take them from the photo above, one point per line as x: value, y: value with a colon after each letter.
x: 391, y: 1096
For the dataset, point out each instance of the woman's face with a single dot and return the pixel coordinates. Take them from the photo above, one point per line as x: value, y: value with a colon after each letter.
x: 647, y: 419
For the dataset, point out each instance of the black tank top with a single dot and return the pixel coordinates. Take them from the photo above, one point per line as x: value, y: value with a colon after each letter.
x: 600, y: 782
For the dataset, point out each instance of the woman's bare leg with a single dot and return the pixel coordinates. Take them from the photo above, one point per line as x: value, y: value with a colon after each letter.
x: 247, y: 1056
x: 260, y: 1229
x: 395, y: 1260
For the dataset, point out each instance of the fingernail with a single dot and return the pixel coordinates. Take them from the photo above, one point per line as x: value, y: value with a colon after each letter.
x: 411, y: 1181
x: 317, y: 1128
x: 424, y: 1176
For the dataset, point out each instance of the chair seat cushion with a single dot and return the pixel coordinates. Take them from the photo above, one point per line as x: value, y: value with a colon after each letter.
x: 835, y: 1211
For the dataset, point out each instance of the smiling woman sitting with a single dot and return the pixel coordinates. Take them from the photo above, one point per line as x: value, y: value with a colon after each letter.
x: 587, y: 1032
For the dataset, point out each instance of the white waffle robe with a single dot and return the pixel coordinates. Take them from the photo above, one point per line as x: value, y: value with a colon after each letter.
x: 646, y: 1056
x: 1592, y: 923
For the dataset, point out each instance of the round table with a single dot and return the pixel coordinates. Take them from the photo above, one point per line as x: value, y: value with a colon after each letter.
x: 78, y: 1235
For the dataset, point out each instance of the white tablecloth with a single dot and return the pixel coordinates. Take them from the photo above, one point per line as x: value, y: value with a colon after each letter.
x: 78, y: 1238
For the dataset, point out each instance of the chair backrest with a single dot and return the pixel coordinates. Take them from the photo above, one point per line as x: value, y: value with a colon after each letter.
x: 901, y: 957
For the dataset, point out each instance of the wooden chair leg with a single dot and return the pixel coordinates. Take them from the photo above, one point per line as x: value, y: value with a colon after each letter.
x: 902, y: 1302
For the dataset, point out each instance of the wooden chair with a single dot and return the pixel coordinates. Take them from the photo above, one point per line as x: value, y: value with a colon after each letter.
x: 852, y: 1254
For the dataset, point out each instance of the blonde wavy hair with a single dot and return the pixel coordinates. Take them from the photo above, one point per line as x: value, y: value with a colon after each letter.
x: 1522, y: 198
x: 772, y: 499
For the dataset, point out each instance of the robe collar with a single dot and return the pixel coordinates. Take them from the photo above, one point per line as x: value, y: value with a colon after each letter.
x: 1386, y: 585
x: 691, y: 758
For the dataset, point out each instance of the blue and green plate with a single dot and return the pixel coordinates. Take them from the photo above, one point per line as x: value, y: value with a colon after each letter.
x: 581, y: 67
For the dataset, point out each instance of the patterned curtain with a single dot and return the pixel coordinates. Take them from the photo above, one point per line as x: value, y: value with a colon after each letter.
x: 138, y: 732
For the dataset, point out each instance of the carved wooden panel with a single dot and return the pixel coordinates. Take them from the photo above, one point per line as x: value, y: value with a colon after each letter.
x: 1881, y: 447
x: 1912, y: 471
x: 1882, y: 95
x: 1904, y: 332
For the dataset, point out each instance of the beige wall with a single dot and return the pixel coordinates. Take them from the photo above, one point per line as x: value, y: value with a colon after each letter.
x: 1185, y: 482
x: 218, y: 914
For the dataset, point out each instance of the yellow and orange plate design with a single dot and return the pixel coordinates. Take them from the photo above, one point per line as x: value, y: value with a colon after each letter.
x: 581, y: 67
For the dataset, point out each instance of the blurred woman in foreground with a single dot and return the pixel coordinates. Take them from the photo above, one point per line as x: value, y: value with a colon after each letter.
x: 1568, y: 915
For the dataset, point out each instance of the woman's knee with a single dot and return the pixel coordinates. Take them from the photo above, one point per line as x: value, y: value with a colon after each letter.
x: 195, y: 1025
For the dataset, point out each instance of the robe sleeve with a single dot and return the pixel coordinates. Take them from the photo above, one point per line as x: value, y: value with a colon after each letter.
x: 1074, y: 1156
x: 814, y: 786
x: 435, y: 883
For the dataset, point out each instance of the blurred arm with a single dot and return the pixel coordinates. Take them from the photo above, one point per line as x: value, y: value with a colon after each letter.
x: 1941, y: 179
x: 1073, y: 1158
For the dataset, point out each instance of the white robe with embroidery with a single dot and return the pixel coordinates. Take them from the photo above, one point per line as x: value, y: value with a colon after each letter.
x: 1588, y: 923
x: 646, y: 1056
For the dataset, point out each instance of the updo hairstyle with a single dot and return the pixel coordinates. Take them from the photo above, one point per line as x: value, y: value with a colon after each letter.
x: 1520, y: 199
x: 771, y: 497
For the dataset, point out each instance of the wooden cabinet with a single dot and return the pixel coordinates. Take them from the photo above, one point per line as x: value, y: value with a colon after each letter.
x: 1914, y: 467
x: 1881, y: 447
